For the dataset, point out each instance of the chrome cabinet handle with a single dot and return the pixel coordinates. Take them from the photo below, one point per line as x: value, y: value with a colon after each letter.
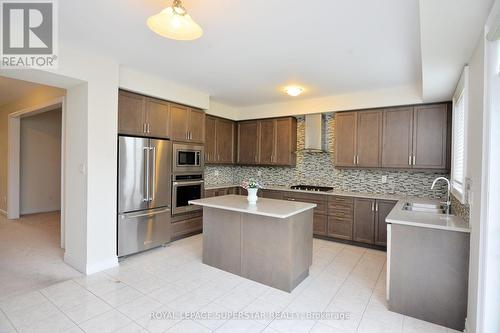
x: 373, y: 206
x: 354, y: 160
x: 413, y: 160
x: 357, y: 159
x: 376, y: 206
x: 409, y: 160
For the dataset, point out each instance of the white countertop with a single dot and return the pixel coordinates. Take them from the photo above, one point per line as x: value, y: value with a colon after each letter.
x: 426, y: 220
x: 267, y: 207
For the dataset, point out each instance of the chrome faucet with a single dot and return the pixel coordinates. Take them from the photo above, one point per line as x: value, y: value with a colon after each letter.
x: 448, y: 200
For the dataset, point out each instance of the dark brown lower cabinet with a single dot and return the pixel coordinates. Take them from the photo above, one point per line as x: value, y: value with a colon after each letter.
x: 340, y: 227
x: 187, y: 227
x: 320, y: 223
x: 382, y: 209
x: 272, y: 194
x: 364, y: 220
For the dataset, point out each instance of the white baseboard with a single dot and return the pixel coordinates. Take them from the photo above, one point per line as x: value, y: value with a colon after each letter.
x: 102, y: 265
x: 93, y: 268
x: 73, y: 262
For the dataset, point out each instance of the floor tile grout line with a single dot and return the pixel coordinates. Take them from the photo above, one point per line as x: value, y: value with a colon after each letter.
x: 373, y: 291
x: 340, y: 287
x: 10, y: 321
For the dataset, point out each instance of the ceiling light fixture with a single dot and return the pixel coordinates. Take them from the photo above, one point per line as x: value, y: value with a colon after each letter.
x: 294, y: 90
x: 175, y: 23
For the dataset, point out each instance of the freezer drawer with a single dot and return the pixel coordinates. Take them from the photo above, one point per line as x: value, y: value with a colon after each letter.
x: 143, y: 230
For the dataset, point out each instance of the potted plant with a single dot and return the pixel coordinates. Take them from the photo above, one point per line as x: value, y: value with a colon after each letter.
x: 252, y: 186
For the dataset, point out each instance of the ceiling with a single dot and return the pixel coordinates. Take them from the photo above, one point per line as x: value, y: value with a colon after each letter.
x: 12, y: 89
x: 251, y: 49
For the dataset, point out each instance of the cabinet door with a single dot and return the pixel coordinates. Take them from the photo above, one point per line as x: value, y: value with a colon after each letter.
x: 320, y: 224
x: 196, y: 125
x: 272, y: 194
x: 209, y: 193
x: 131, y: 114
x: 248, y: 133
x: 267, y: 141
x: 339, y: 227
x: 382, y: 209
x: 225, y: 141
x: 430, y: 126
x: 345, y: 138
x: 369, y: 136
x: 158, y: 118
x: 210, y: 140
x: 286, y: 141
x: 364, y: 220
x: 397, y: 137
x: 179, y: 117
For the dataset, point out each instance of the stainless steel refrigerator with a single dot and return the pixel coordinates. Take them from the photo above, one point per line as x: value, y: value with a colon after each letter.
x: 144, y: 193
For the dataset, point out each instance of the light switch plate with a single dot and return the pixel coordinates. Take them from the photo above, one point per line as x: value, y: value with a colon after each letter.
x: 216, y: 173
x: 259, y: 173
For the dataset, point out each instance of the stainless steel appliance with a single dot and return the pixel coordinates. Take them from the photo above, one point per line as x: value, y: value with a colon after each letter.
x: 144, y: 193
x: 186, y: 187
x: 311, y: 188
x: 187, y: 158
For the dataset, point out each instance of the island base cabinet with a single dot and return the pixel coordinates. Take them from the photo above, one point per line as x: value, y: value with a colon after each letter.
x: 273, y: 251
x: 428, y: 274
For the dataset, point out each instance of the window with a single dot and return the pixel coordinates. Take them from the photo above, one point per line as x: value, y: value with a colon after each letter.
x: 459, y: 143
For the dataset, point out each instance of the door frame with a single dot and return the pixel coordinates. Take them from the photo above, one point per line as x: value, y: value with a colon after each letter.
x: 14, y: 156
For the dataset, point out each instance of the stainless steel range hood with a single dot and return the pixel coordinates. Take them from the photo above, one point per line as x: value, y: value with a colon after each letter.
x: 314, y: 138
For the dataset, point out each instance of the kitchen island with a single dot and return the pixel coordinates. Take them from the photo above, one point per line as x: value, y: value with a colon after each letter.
x: 269, y: 242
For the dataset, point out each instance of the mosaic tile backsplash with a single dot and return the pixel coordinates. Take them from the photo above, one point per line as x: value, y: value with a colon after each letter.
x: 319, y: 169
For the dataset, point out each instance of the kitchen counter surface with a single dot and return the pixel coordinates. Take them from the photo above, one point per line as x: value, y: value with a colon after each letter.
x: 426, y: 220
x: 265, y: 207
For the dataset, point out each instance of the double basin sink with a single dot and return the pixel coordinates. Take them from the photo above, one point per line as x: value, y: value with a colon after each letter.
x: 424, y: 208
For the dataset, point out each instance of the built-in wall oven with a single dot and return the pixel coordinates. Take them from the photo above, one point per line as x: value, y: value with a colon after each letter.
x: 187, y: 158
x: 186, y: 187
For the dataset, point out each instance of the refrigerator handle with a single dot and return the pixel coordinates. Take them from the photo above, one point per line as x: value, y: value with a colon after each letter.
x: 146, y: 173
x: 153, y: 172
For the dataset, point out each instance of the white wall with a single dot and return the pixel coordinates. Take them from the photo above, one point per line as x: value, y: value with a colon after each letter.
x: 155, y: 86
x: 474, y: 172
x: 40, y: 174
x: 340, y: 102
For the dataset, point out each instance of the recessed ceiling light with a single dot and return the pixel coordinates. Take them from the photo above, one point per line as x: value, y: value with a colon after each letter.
x: 175, y: 23
x: 294, y: 90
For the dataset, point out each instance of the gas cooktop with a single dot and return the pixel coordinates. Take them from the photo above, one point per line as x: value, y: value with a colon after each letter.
x: 311, y: 188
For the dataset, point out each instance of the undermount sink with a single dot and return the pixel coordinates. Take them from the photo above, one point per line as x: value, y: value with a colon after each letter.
x: 424, y: 208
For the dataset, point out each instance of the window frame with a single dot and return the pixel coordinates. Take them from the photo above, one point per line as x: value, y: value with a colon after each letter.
x: 462, y: 90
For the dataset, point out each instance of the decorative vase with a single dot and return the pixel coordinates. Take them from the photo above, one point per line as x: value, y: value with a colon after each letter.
x: 252, y: 195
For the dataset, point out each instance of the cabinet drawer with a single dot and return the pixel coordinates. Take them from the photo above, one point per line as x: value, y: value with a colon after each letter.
x: 187, y: 226
x: 340, y: 204
x: 340, y: 228
x: 320, y: 224
x: 320, y: 208
x: 272, y: 194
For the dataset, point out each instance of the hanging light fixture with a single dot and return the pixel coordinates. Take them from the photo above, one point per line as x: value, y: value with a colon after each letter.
x: 175, y: 23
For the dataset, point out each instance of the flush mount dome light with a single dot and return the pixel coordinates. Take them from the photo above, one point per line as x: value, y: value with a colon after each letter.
x: 294, y: 90
x: 175, y: 23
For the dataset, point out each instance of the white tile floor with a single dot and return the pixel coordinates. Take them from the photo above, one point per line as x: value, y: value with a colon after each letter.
x: 343, y: 279
x: 31, y: 257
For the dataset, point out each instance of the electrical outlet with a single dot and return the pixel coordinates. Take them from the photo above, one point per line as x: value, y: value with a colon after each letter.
x: 216, y: 173
x: 384, y: 179
x: 259, y: 173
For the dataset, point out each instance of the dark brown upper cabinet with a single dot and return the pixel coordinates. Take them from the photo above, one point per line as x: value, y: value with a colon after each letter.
x: 413, y: 137
x: 248, y: 142
x: 430, y: 136
x: 345, y: 138
x: 157, y: 118
x: 143, y: 116
x: 397, y: 138
x: 219, y: 140
x: 187, y: 124
x: 358, y: 137
x: 369, y: 137
x: 267, y: 141
x: 210, y: 140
